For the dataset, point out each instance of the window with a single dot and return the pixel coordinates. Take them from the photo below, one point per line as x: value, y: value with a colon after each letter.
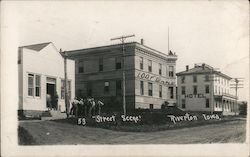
x: 106, y: 87
x: 118, y: 87
x: 34, y: 85
x: 69, y: 89
x: 171, y: 91
x: 38, y: 86
x: 207, y: 88
x: 183, y: 103
x: 142, y: 87
x: 150, y: 89
x: 160, y: 69
x: 30, y: 84
x: 80, y: 67
x: 171, y: 71
x: 183, y: 79
x: 141, y: 63
x: 183, y: 90
x: 194, y: 90
x: 63, y: 89
x: 194, y: 78
x: 151, y: 106
x: 89, y: 88
x: 207, y: 103
x: 160, y: 91
x: 206, y: 78
x: 149, y: 66
x: 100, y: 64
x: 215, y: 89
x: 118, y: 63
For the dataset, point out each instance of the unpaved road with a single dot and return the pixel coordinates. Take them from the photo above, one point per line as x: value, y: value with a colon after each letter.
x: 49, y: 132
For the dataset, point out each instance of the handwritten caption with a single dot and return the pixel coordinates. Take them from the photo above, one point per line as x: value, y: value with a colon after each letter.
x: 188, y: 117
x: 103, y: 119
x: 136, y: 119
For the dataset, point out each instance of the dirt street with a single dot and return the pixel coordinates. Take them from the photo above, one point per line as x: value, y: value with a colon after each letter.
x: 49, y: 132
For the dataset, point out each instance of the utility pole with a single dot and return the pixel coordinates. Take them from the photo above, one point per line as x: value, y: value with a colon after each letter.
x: 65, y: 55
x: 168, y: 41
x: 236, y: 86
x: 122, y: 39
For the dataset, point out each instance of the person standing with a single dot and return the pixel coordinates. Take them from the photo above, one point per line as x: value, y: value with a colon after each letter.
x: 48, y: 100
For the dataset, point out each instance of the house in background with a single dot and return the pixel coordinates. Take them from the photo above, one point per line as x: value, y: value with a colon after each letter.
x: 41, y: 73
x: 204, y: 89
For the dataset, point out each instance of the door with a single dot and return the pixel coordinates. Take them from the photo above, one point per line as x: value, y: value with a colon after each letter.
x: 52, y: 97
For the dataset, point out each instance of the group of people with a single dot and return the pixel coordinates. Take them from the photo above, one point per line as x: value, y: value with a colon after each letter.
x: 86, y: 107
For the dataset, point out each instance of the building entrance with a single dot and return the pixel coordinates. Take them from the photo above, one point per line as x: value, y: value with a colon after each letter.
x: 52, y: 97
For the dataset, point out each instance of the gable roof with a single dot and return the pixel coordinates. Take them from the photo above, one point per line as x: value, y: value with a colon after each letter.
x: 36, y: 47
x: 202, y: 69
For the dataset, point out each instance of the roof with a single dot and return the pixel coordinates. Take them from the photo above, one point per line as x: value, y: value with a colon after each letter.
x: 199, y: 69
x: 36, y: 47
x: 108, y: 47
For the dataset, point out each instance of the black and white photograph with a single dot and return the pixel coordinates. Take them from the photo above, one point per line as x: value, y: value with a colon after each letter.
x: 125, y: 78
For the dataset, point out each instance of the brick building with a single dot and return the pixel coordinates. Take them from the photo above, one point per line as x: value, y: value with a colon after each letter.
x: 150, y: 75
x: 204, y: 89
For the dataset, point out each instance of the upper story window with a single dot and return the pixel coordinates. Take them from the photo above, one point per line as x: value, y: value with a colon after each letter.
x: 100, y: 64
x: 183, y: 79
x: 183, y: 90
x: 149, y: 65
x: 207, y: 88
x: 118, y: 63
x: 160, y: 69
x: 80, y: 66
x: 141, y: 63
x: 206, y: 78
x: 194, y: 78
x: 171, y: 71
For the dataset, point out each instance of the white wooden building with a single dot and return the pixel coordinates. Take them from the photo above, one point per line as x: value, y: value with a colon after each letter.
x: 202, y: 88
x: 41, y: 73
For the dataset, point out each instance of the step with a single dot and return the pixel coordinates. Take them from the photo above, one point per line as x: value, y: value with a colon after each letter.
x: 54, y: 115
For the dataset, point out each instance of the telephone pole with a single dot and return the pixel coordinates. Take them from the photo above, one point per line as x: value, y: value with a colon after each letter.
x: 65, y: 55
x: 122, y: 39
x: 237, y: 84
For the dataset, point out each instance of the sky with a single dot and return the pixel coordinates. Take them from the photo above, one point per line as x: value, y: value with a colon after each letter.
x: 216, y: 33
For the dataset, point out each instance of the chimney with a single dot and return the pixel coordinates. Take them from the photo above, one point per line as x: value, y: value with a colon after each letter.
x: 203, y: 66
x: 142, y: 41
x: 187, y: 68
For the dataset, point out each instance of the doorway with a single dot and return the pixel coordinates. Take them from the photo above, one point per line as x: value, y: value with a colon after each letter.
x: 51, y: 96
